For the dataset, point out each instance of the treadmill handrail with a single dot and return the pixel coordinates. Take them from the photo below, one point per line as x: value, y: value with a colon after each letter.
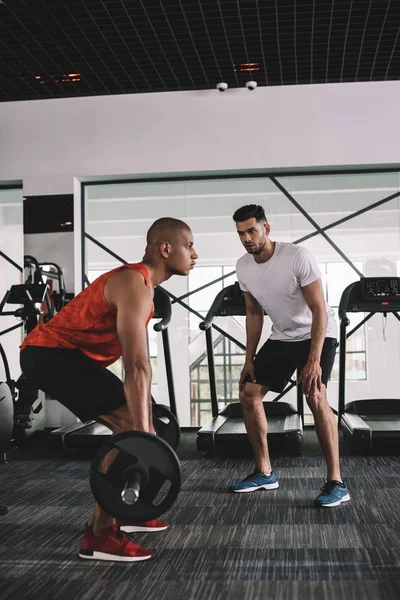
x: 210, y: 316
x: 344, y: 300
x: 166, y: 305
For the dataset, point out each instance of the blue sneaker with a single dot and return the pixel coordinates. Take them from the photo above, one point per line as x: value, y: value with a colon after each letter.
x: 332, y: 493
x: 256, y: 481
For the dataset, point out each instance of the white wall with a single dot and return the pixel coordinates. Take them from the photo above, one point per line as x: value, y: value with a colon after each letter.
x: 11, y: 244
x: 47, y: 142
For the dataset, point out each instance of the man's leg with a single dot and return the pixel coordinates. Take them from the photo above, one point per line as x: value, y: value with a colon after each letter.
x: 334, y: 491
x: 118, y: 421
x: 327, y: 432
x: 273, y: 367
x: 251, y: 397
x: 87, y: 390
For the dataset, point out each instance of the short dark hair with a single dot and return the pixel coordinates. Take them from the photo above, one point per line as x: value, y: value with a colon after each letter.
x: 165, y: 229
x: 250, y: 211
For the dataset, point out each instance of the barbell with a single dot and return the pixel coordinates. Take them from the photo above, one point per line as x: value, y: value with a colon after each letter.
x: 143, y: 481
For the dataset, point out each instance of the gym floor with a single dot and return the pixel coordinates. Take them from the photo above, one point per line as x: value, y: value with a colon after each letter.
x: 264, y: 545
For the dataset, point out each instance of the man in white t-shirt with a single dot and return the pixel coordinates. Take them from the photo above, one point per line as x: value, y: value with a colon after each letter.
x: 283, y: 280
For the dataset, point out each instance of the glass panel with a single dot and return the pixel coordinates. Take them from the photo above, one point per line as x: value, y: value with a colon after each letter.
x: 221, y: 395
x: 339, y: 276
x: 372, y: 237
x: 202, y: 372
x: 219, y: 372
x: 232, y: 278
x: 328, y: 198
x: 202, y: 300
x: 356, y: 367
x: 205, y: 393
x: 118, y: 215
x: 237, y: 359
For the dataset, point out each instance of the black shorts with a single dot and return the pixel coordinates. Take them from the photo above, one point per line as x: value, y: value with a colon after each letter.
x: 276, y: 361
x: 74, y: 379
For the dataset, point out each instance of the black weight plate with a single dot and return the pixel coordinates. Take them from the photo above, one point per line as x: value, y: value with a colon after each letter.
x: 149, y: 453
x: 166, y: 425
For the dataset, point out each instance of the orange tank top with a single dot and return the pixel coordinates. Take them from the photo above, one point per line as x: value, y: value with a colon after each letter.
x: 86, y: 323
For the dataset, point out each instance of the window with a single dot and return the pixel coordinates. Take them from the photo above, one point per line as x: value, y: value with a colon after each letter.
x: 228, y: 356
x: 229, y: 359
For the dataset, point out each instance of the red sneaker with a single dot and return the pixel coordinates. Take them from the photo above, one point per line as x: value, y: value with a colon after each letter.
x: 153, y: 525
x: 112, y: 545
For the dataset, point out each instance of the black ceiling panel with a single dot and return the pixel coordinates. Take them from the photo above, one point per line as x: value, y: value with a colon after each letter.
x: 70, y: 48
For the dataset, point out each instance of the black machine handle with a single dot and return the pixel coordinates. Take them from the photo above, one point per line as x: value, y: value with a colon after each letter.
x: 344, y: 302
x: 218, y: 300
x: 161, y: 300
x: 6, y: 365
x: 60, y: 274
x: 58, y: 299
x: 29, y: 261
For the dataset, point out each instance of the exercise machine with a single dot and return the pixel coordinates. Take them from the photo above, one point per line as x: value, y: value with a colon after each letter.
x: 36, y: 302
x: 28, y: 401
x: 226, y: 428
x: 367, y: 422
x: 92, y: 434
x: 7, y: 396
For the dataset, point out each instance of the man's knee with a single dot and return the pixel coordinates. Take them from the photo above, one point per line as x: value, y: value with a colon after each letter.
x: 318, y: 401
x: 251, y: 394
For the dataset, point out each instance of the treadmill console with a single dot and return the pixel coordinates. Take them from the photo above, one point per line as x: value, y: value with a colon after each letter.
x: 380, y: 288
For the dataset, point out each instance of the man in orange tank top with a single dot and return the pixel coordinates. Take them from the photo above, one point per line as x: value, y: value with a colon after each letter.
x: 66, y: 358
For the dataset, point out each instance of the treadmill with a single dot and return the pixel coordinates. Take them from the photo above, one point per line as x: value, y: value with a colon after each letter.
x: 367, y: 423
x: 92, y: 434
x: 227, y: 430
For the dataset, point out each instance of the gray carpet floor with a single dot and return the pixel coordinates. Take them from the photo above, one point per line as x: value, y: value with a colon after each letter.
x: 272, y: 545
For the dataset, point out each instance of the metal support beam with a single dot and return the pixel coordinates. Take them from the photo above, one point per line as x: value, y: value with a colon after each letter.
x: 10, y: 260
x: 349, y: 217
x: 314, y: 224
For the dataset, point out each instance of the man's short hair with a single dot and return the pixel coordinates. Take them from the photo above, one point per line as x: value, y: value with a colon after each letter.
x: 164, y: 229
x: 250, y: 211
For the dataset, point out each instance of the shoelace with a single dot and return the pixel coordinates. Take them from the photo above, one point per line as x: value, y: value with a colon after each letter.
x: 117, y: 537
x: 255, y: 472
x: 250, y: 476
x: 329, y: 486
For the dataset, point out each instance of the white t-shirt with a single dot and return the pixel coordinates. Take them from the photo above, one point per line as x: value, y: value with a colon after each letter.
x: 276, y: 285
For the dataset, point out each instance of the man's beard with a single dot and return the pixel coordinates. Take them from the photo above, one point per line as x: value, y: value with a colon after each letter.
x: 256, y: 249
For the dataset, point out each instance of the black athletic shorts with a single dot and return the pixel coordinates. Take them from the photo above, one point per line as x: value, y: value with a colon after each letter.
x: 276, y: 361
x: 74, y: 379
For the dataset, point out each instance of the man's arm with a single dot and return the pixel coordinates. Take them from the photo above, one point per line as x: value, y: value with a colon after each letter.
x: 311, y: 375
x: 254, y: 325
x: 133, y: 301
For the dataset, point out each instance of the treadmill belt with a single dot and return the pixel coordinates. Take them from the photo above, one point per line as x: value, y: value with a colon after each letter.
x: 382, y: 423
x: 235, y: 426
x: 92, y: 429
